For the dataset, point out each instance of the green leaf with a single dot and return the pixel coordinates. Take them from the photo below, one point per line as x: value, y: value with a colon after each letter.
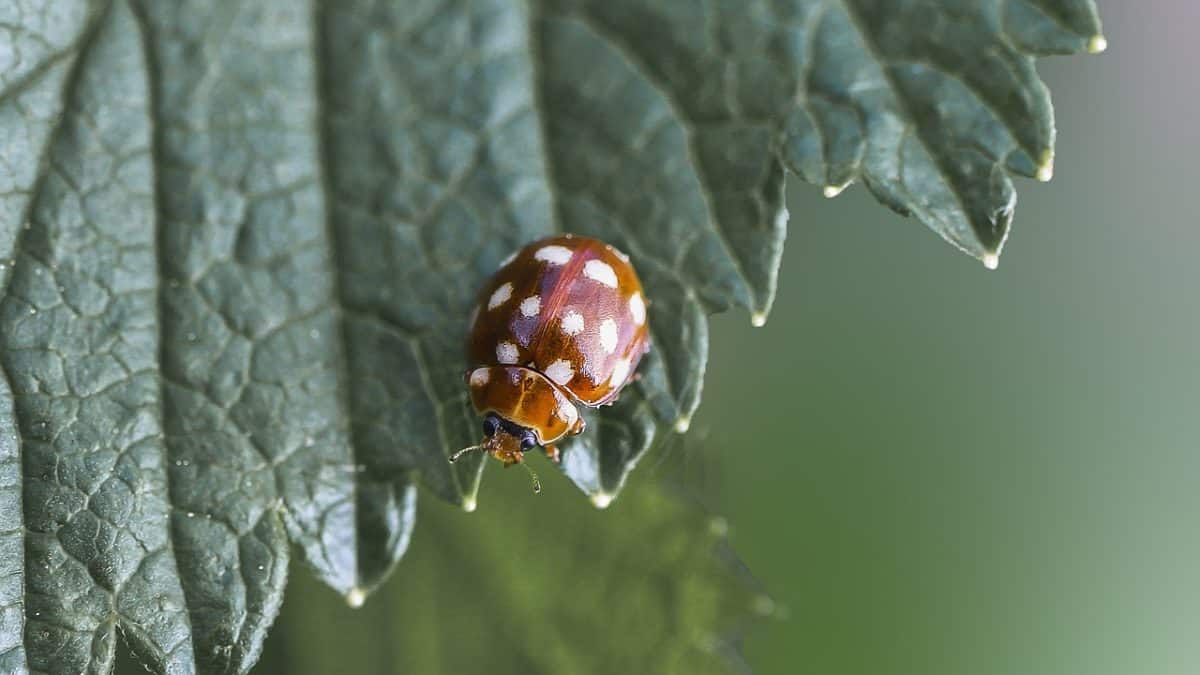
x: 240, y: 240
x: 647, y: 587
x: 931, y: 103
x: 173, y: 346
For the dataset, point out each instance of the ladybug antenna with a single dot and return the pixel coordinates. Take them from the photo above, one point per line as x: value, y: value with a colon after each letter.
x: 455, y: 457
x: 537, y: 485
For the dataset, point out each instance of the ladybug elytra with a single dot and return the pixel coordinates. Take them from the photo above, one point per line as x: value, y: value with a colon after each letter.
x: 561, y: 324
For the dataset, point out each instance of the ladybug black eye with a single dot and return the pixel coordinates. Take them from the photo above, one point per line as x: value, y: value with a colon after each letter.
x: 528, y: 441
x: 490, y: 425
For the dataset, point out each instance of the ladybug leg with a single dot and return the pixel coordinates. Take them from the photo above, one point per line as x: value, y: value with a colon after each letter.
x: 553, y: 453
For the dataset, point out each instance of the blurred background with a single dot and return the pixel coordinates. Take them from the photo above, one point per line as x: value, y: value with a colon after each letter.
x: 944, y: 470
x: 935, y: 469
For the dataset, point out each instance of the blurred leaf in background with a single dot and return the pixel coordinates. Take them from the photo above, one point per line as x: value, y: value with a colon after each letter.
x: 544, y: 586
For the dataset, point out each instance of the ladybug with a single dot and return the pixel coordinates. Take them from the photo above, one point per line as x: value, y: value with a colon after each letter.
x: 561, y: 324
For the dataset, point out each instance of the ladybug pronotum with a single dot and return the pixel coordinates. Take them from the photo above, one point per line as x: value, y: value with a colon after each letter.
x: 561, y: 324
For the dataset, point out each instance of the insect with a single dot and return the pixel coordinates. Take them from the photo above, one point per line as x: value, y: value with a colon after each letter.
x: 561, y: 324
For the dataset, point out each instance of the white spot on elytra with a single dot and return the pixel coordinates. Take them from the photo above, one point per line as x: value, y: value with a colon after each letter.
x: 620, y: 371
x: 594, y: 375
x: 480, y: 377
x: 531, y: 306
x: 572, y: 323
x: 637, y: 307
x: 555, y: 255
x: 560, y: 371
x: 500, y: 296
x: 567, y: 411
x: 600, y: 271
x: 608, y: 335
x: 506, y: 352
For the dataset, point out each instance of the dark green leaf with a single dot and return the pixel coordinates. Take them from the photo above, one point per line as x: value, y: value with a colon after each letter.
x: 240, y: 241
x: 931, y: 103
x: 12, y: 540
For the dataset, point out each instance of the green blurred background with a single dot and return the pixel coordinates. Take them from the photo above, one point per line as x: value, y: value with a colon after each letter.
x: 933, y: 468
x: 943, y: 470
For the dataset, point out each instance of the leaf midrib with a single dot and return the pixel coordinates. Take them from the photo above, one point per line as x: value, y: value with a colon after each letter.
x: 154, y: 138
x: 340, y: 360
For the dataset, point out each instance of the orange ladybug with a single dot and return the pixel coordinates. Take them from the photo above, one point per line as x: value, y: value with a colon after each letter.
x: 561, y: 324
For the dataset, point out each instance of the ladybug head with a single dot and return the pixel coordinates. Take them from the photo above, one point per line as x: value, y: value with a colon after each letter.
x: 507, y: 442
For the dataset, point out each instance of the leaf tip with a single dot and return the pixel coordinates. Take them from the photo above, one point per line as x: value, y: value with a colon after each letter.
x: 758, y: 319
x: 763, y: 605
x: 831, y: 191
x: 469, y: 504
x: 1097, y: 44
x: 683, y: 424
x: 356, y: 597
x: 719, y: 527
x: 990, y: 260
x: 1045, y: 169
x: 601, y: 499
